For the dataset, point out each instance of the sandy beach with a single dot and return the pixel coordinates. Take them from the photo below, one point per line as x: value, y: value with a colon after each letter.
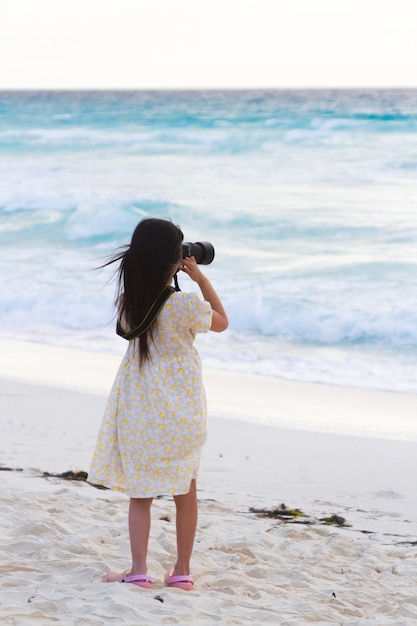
x: 325, y: 450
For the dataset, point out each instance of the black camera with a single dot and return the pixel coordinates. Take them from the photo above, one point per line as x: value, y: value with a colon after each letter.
x: 202, y: 251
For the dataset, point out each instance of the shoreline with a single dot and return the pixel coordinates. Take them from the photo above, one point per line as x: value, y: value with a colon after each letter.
x: 247, y: 398
x: 45, y: 429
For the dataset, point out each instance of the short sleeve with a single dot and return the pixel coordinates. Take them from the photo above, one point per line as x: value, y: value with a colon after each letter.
x: 200, y: 314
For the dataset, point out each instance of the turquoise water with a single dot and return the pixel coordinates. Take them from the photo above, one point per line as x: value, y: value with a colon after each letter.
x: 309, y: 197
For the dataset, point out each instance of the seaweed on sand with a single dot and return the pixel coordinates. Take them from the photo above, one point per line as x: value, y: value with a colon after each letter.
x: 80, y: 476
x: 296, y: 516
x: 282, y: 513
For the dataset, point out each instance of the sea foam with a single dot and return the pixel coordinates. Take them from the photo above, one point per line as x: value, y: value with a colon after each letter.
x: 307, y: 197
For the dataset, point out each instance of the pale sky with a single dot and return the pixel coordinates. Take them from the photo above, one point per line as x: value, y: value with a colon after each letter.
x: 207, y: 43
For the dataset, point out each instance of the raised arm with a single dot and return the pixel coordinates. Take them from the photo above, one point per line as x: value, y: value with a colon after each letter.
x: 219, y: 321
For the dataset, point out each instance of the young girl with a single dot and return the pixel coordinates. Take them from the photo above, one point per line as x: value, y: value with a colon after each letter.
x: 154, y: 426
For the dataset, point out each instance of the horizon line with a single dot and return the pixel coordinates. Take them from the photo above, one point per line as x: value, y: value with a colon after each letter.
x: 246, y: 88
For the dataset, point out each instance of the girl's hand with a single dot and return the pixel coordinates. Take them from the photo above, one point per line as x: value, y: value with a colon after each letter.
x: 219, y: 321
x: 190, y: 267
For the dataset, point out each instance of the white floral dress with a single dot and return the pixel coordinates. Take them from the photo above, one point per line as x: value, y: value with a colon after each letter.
x: 154, y: 425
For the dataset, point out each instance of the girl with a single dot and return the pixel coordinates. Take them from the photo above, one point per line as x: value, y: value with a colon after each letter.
x: 154, y: 425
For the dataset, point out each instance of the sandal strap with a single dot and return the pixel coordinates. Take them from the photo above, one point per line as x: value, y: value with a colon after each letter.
x: 143, y: 578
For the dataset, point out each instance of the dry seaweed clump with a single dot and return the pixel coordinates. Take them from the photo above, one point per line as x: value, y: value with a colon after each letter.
x: 70, y: 475
x: 296, y: 516
x: 79, y: 476
x: 282, y: 513
x: 334, y: 520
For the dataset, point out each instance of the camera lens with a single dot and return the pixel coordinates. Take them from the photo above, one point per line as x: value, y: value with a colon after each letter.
x: 202, y: 251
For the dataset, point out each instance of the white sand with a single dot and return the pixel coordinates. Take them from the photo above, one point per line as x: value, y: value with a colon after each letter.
x: 59, y: 537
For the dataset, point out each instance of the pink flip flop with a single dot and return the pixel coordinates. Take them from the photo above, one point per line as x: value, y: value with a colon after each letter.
x: 141, y: 580
x: 180, y: 582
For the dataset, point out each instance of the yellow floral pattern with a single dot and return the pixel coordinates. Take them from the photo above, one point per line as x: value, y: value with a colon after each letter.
x: 154, y: 425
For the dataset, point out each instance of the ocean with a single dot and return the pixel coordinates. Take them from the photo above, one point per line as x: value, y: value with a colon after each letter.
x: 309, y: 198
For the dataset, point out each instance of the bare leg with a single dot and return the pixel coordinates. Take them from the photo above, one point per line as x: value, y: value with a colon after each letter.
x: 186, y: 527
x: 139, y: 527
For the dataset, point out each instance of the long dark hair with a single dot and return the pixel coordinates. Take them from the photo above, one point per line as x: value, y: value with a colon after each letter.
x: 146, y: 265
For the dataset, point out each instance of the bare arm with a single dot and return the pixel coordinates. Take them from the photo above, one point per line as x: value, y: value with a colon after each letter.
x: 219, y: 320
